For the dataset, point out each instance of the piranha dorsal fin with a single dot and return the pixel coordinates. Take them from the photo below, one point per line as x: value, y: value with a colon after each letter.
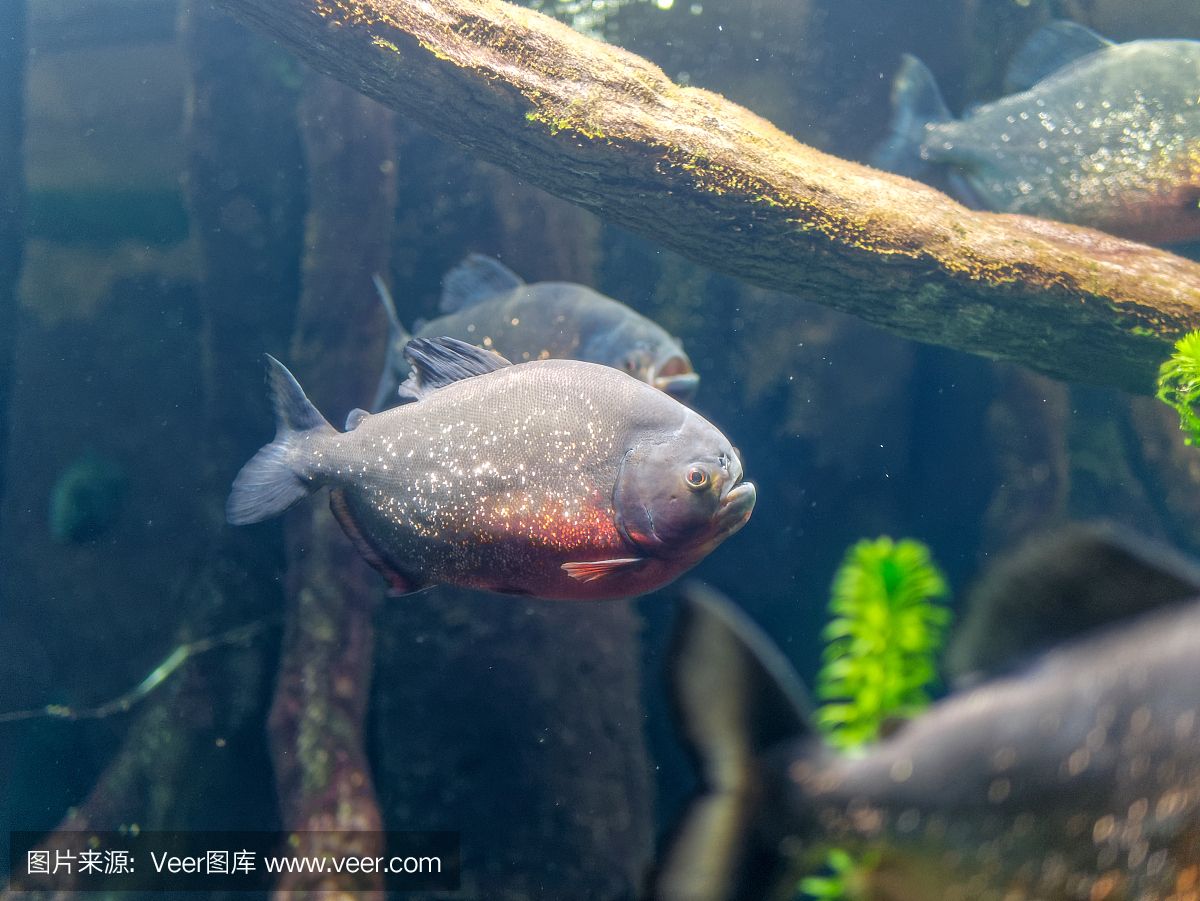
x: 916, y: 102
x: 394, y: 366
x: 476, y: 279
x: 598, y: 569
x: 437, y: 362
x: 735, y: 696
x: 1056, y: 587
x: 1049, y: 49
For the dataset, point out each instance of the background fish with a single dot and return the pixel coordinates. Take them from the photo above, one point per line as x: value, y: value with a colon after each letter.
x: 1060, y: 584
x: 1101, y: 134
x: 485, y: 303
x: 1078, y: 779
x: 555, y: 478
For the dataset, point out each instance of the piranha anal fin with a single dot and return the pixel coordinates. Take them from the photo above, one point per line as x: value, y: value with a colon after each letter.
x: 1049, y: 49
x: 598, y: 569
x: 398, y: 583
x: 474, y: 280
x: 398, y: 337
x: 735, y: 696
x: 437, y: 362
x: 273, y: 479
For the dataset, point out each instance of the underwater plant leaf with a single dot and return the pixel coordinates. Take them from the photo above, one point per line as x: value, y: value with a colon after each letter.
x: 842, y: 876
x: 838, y: 628
x: 840, y: 860
x: 1179, y: 385
x: 835, y: 713
x: 823, y: 887
x: 885, y: 632
x: 839, y: 669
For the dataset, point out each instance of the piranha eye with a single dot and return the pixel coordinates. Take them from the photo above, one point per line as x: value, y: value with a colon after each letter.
x: 697, y: 477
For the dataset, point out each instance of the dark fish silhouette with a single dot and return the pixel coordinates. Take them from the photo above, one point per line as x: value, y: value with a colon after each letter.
x: 1101, y: 134
x: 1058, y: 585
x: 486, y: 304
x: 87, y: 499
x: 1077, y: 779
x: 556, y: 478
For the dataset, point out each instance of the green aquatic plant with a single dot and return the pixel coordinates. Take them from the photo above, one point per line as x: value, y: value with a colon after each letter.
x: 839, y: 879
x: 1179, y: 384
x: 882, y: 641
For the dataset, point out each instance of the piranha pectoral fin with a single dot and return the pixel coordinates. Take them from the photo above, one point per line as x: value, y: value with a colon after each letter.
x: 598, y: 569
x: 735, y: 696
x: 398, y: 583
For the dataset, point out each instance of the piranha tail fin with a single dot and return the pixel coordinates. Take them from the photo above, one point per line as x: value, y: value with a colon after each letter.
x: 274, y: 478
x: 735, y: 696
x: 916, y: 102
x: 394, y: 366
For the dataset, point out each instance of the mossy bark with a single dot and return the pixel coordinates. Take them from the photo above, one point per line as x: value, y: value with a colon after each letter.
x: 12, y: 194
x: 605, y: 129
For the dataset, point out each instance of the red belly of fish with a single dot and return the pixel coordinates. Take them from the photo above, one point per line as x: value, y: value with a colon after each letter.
x: 528, y: 539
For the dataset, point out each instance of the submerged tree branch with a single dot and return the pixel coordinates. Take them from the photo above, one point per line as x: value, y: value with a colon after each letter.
x: 317, y: 724
x: 695, y: 172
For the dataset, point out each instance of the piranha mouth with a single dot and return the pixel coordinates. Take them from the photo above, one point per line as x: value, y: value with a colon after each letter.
x: 676, y: 378
x: 736, y: 507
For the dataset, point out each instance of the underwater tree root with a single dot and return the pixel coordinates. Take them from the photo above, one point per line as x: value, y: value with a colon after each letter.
x: 125, y: 702
x: 317, y: 724
x: 608, y: 130
x: 192, y: 721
